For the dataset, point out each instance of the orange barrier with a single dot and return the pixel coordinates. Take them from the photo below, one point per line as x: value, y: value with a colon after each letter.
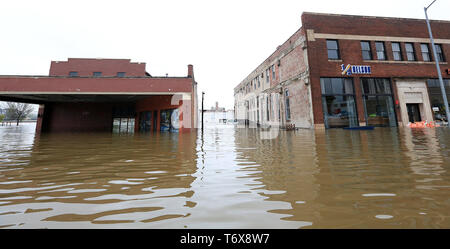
x: 423, y: 124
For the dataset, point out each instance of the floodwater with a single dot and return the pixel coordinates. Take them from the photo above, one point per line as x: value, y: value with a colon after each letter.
x: 226, y: 178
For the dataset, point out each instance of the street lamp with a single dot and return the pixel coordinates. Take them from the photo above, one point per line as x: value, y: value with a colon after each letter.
x: 444, y: 95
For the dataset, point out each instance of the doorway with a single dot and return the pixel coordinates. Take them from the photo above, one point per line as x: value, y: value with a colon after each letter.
x: 413, y: 113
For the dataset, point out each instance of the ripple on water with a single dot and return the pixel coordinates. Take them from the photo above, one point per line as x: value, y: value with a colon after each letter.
x: 225, y: 178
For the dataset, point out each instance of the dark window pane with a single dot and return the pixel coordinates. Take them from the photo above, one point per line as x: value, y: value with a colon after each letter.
x: 366, y: 55
x: 425, y: 52
x: 333, y: 49
x: 410, y: 52
x: 332, y: 44
x: 333, y: 54
x: 439, y: 53
x: 337, y: 85
x: 396, y: 51
x: 380, y: 51
x: 325, y: 84
x: 365, y: 46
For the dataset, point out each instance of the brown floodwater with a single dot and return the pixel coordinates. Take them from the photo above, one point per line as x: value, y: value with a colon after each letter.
x: 226, y: 178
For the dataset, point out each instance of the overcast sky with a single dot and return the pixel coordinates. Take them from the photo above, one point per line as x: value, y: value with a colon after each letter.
x: 224, y: 40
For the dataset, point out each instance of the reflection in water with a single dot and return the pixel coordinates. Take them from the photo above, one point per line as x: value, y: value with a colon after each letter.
x: 225, y: 178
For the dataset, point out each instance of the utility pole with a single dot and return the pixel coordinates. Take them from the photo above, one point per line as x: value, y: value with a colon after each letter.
x: 444, y: 95
x: 203, y: 94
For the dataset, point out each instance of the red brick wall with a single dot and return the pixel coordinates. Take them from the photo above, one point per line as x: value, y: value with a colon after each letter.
x: 86, y: 67
x: 350, y: 51
x: 77, y: 117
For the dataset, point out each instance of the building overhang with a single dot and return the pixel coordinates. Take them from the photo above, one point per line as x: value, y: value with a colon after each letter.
x: 40, y: 90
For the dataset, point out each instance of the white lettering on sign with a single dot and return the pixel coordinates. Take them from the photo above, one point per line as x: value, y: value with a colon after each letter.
x: 355, y: 69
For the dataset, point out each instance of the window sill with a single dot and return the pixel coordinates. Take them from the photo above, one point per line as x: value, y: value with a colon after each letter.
x: 336, y: 60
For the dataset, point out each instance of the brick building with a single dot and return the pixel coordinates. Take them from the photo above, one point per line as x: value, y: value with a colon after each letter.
x: 346, y: 71
x: 112, y: 95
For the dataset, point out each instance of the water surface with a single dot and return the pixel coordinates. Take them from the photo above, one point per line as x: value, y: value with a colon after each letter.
x: 226, y: 178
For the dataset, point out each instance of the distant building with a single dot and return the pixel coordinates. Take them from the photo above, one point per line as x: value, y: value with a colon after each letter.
x: 346, y: 71
x: 217, y: 115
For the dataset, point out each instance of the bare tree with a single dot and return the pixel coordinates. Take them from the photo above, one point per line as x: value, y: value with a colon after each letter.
x: 18, y: 111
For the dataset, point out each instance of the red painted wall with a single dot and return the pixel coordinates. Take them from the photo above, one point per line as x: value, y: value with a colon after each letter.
x: 77, y: 117
x: 100, y: 85
x: 86, y: 67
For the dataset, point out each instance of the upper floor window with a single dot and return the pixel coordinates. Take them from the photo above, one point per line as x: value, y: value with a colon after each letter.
x: 425, y: 52
x: 410, y: 54
x: 97, y: 74
x: 267, y: 76
x: 259, y: 82
x: 120, y: 74
x: 333, y: 50
x: 273, y: 72
x: 397, y: 51
x: 366, y: 51
x: 439, y: 53
x: 73, y: 74
x: 381, y: 53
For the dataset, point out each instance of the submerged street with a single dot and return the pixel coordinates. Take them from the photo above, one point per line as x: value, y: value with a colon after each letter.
x: 228, y: 177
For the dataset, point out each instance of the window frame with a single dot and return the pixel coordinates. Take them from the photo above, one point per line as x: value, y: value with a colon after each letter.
x: 382, y: 51
x: 400, y: 53
x: 332, y: 49
x: 287, y: 105
x: 422, y: 45
x: 413, y: 52
x: 73, y: 74
x: 439, y: 53
x: 367, y: 51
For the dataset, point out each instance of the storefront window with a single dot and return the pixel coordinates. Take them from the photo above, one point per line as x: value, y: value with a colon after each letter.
x: 378, y: 102
x: 338, y: 100
x: 145, y: 121
x: 123, y: 125
x: 169, y: 120
x: 437, y: 102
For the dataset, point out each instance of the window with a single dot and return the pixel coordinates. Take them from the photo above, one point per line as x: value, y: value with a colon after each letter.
x: 397, y: 51
x: 436, y: 98
x: 120, y: 74
x: 425, y: 52
x: 73, y: 74
x: 381, y: 53
x: 439, y: 53
x: 288, y: 108
x: 366, y: 51
x: 97, y: 74
x: 410, y: 55
x: 267, y: 76
x: 338, y: 102
x: 259, y: 82
x: 378, y: 103
x: 273, y: 72
x: 123, y: 125
x: 333, y: 50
